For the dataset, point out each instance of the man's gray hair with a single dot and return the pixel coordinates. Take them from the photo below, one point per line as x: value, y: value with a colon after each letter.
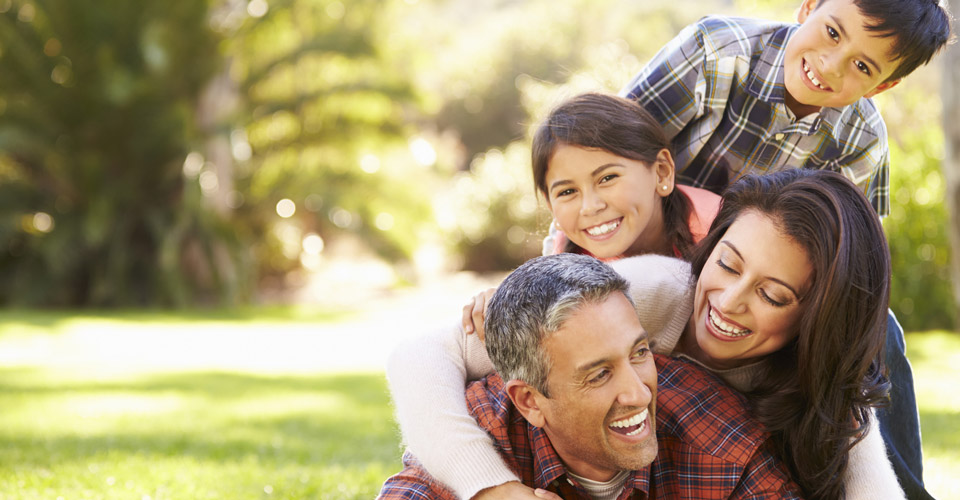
x: 534, y: 302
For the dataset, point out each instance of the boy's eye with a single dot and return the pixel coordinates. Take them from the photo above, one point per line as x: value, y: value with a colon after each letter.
x: 832, y: 33
x: 863, y: 68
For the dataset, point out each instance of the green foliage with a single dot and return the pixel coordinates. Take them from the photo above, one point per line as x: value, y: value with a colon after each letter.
x: 96, y: 116
x: 921, y: 294
x: 325, y: 107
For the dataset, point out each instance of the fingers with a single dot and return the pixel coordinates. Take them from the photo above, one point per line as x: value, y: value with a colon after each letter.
x: 467, y: 319
x: 481, y: 302
x: 549, y: 495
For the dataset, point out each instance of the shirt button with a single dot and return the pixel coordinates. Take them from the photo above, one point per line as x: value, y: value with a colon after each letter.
x: 778, y: 137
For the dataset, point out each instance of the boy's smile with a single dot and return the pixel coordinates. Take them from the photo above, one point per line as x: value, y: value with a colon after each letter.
x: 832, y: 60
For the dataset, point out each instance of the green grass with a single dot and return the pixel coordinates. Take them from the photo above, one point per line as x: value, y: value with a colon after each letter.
x: 153, y: 433
x: 935, y: 357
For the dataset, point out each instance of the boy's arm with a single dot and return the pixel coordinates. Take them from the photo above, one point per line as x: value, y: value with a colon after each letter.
x: 672, y: 86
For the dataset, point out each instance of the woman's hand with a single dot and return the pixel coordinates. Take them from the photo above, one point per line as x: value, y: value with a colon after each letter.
x: 515, y: 490
x: 476, y: 311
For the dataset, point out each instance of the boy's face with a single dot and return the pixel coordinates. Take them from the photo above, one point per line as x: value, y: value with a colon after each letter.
x: 832, y: 60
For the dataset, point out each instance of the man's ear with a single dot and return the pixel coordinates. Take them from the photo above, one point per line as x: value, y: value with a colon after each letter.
x: 527, y: 401
x: 665, y: 170
x: 806, y: 7
x: 882, y: 87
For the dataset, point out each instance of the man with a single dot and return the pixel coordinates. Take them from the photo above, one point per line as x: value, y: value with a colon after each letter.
x: 579, y: 410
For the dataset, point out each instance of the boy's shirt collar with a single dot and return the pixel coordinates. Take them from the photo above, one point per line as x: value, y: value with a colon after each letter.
x: 765, y: 83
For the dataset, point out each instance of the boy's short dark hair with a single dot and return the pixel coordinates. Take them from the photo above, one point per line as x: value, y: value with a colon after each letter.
x: 920, y: 29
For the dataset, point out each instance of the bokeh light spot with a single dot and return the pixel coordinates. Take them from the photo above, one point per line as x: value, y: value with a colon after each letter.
x: 286, y: 208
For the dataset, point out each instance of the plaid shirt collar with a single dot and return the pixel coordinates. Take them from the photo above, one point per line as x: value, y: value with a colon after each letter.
x: 765, y: 83
x: 548, y: 468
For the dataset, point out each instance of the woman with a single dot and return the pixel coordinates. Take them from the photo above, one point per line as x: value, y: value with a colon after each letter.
x: 789, y: 307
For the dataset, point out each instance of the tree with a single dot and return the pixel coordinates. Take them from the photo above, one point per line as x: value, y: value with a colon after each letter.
x: 96, y: 118
x: 951, y: 159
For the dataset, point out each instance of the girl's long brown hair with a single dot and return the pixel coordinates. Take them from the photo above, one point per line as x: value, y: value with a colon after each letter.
x: 815, y: 393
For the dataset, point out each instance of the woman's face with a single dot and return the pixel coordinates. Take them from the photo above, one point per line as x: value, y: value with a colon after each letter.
x: 607, y: 204
x: 747, y: 300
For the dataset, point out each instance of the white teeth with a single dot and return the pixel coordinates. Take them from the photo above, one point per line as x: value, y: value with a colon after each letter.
x: 639, y: 418
x: 726, y: 328
x: 812, y: 77
x: 603, y: 228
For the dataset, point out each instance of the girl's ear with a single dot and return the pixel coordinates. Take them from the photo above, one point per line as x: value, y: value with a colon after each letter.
x: 664, y: 168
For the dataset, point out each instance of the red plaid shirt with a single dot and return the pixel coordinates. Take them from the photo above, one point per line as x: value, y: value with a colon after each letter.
x: 709, y: 447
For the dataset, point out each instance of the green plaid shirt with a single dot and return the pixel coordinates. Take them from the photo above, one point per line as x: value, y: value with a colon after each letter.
x: 717, y: 88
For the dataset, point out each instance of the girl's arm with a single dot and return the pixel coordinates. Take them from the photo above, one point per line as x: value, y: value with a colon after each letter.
x: 427, y: 378
x: 869, y: 473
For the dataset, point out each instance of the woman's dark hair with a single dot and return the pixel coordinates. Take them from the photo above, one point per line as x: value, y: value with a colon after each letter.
x: 618, y: 126
x: 815, y: 393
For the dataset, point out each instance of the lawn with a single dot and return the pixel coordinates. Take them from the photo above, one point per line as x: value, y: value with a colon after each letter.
x: 86, y: 415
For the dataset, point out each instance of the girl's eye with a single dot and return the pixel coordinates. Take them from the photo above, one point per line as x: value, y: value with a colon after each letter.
x: 565, y: 192
x: 832, y: 33
x: 726, y: 267
x: 863, y: 68
x: 770, y: 300
x: 608, y: 177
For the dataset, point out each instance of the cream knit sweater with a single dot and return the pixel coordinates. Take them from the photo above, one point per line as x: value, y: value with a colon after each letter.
x: 427, y: 377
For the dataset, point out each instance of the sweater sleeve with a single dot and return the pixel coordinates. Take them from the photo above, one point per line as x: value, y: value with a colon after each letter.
x: 427, y: 378
x: 869, y: 473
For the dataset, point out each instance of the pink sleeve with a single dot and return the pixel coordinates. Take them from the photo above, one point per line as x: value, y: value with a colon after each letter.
x: 705, y: 205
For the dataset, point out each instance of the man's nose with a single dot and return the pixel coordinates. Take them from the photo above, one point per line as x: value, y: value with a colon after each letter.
x: 634, y: 391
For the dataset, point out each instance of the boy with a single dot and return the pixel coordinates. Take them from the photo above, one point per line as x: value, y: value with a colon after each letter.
x: 744, y: 96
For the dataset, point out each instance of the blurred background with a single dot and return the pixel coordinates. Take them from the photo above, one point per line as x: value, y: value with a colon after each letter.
x: 215, y: 212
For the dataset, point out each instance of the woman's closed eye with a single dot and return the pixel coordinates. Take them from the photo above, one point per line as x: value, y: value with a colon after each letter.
x: 769, y: 298
x: 725, y: 267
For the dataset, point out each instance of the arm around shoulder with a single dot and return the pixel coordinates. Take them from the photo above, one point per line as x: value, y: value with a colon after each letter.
x: 427, y: 378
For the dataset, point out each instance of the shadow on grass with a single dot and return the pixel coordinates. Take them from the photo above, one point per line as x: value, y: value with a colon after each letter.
x: 218, y: 417
x: 359, y: 388
x: 54, y: 319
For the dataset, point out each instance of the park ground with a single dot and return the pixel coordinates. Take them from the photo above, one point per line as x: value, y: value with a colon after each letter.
x: 279, y: 402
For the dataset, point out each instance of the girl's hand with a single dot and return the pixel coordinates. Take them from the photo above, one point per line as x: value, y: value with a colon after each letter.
x: 515, y: 490
x: 475, y: 311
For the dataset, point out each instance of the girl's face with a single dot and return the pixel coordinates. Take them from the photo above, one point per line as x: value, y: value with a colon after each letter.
x: 747, y: 301
x: 607, y: 204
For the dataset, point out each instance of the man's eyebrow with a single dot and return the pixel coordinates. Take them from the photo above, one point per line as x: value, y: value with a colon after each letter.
x: 586, y: 367
x: 863, y: 55
x: 595, y: 172
x: 771, y: 278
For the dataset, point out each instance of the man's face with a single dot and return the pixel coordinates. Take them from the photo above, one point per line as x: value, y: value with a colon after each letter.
x: 600, y: 417
x: 833, y: 60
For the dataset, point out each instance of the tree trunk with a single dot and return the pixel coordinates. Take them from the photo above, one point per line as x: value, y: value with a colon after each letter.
x: 950, y: 91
